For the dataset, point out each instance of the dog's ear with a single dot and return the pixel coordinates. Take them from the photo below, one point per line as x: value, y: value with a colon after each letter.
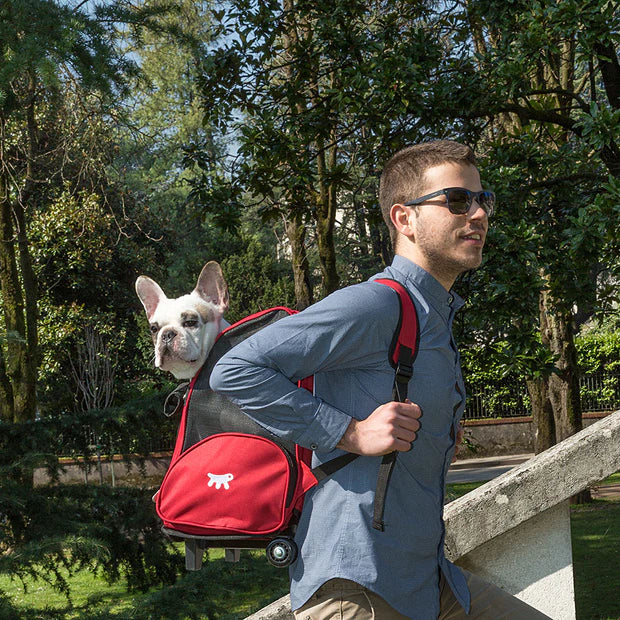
x: 212, y: 287
x: 150, y: 294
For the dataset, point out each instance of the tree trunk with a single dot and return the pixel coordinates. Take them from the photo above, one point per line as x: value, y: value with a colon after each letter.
x: 295, y: 227
x: 563, y: 385
x: 13, y: 308
x: 380, y: 241
x: 296, y: 232
x: 325, y: 222
x: 7, y: 408
x: 26, y: 400
x: 610, y: 74
x: 542, y: 415
x: 360, y: 227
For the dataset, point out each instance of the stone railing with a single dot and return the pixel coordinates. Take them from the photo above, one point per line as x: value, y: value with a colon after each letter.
x: 515, y: 530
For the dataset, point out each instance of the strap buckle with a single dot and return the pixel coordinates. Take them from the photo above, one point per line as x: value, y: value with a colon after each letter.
x: 174, y: 400
x: 404, y: 371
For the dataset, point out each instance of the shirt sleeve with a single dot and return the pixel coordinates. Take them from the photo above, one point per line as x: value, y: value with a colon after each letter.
x: 352, y: 328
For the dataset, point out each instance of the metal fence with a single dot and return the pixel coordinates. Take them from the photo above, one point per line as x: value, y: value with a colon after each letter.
x: 503, y: 399
x: 509, y: 399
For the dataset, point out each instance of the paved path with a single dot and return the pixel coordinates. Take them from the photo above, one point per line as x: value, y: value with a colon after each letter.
x: 607, y: 491
x: 483, y: 469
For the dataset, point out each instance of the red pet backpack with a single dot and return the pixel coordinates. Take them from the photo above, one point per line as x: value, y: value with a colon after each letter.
x: 233, y: 484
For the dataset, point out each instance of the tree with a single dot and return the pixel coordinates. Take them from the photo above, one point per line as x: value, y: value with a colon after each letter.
x: 64, y: 54
x: 162, y: 113
x: 315, y: 95
x: 548, y: 77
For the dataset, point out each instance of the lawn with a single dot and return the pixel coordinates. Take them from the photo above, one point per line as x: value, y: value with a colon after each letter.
x: 596, y: 550
x: 227, y: 591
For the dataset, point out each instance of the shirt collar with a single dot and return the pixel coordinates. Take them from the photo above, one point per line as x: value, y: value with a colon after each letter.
x: 445, y: 302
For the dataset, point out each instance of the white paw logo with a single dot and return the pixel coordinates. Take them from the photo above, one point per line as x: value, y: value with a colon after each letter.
x: 220, y: 480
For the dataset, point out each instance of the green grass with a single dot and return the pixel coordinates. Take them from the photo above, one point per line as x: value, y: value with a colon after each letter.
x: 596, y: 550
x: 220, y: 590
x: 454, y: 491
x: 226, y: 591
x: 613, y: 479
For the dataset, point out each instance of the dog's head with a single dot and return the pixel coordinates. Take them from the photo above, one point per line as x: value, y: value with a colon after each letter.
x: 184, y: 329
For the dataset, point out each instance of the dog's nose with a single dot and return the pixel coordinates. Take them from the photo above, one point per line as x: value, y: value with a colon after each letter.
x: 168, y: 336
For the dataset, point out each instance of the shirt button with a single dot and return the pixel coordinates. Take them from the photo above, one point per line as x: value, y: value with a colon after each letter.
x: 313, y: 446
x: 450, y: 299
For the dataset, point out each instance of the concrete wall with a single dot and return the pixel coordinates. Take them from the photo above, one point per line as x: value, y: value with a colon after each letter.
x: 147, y: 471
x: 533, y: 561
x: 505, y: 436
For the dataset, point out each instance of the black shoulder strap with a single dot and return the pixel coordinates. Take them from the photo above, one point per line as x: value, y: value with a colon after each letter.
x: 402, y: 354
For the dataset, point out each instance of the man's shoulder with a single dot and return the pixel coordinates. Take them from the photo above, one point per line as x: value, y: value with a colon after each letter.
x: 365, y: 297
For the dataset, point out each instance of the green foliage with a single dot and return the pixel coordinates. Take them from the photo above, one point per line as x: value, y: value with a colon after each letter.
x: 208, y: 593
x: 596, y: 542
x: 138, y: 427
x: 164, y: 111
x: 219, y: 590
x: 599, y: 351
x: 551, y: 161
x: 495, y: 375
x: 256, y: 281
x: 85, y: 265
x: 112, y: 531
x: 47, y: 531
x: 316, y: 96
x: 55, y: 41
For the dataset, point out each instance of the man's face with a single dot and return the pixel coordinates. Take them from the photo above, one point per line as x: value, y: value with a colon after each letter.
x: 445, y: 244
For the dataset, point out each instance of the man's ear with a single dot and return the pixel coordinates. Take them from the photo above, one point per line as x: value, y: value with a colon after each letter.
x: 402, y: 218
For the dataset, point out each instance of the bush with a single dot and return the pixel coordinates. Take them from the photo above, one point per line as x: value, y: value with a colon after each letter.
x: 113, y: 531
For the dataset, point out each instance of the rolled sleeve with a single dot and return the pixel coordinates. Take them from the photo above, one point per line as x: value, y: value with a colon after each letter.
x: 277, y: 403
x: 260, y: 374
x: 326, y: 430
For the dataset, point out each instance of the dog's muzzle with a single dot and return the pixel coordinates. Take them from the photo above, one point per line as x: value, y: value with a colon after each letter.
x: 168, y: 336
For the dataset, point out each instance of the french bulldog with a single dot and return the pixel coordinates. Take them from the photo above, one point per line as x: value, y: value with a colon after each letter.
x: 184, y: 329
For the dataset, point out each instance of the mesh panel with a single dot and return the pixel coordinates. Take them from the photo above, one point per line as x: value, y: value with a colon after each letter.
x: 210, y: 413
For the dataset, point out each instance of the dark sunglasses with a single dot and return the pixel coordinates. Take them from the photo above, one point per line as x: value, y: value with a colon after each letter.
x: 459, y: 200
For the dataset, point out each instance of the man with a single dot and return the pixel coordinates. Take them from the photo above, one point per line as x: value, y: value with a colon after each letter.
x: 437, y: 212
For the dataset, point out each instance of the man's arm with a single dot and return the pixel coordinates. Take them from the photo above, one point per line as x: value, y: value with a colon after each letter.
x: 350, y: 329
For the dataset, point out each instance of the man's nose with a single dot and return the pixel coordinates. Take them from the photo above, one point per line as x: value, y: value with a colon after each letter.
x: 476, y: 211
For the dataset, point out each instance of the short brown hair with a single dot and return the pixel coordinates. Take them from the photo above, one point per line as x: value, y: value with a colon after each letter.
x: 402, y: 176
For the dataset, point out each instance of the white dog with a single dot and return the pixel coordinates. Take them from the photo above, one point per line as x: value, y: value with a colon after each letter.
x: 184, y: 329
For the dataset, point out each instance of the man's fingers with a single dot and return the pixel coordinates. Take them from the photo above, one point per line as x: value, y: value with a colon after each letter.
x: 408, y: 425
x: 408, y: 437
x: 401, y: 445
x: 408, y: 417
x: 411, y: 409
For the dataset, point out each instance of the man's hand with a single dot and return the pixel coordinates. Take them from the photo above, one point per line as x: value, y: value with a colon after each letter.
x: 390, y: 427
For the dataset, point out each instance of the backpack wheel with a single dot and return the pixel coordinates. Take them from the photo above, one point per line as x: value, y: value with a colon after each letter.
x: 281, y: 552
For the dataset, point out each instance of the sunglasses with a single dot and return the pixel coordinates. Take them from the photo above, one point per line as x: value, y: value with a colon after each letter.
x: 459, y: 200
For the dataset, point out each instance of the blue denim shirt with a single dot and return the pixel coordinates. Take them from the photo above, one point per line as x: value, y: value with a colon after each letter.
x: 343, y: 340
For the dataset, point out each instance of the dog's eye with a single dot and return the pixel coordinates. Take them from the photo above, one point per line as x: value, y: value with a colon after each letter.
x: 190, y: 323
x: 154, y: 329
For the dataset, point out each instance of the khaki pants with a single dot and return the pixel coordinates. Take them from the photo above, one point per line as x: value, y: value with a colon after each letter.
x: 340, y: 599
